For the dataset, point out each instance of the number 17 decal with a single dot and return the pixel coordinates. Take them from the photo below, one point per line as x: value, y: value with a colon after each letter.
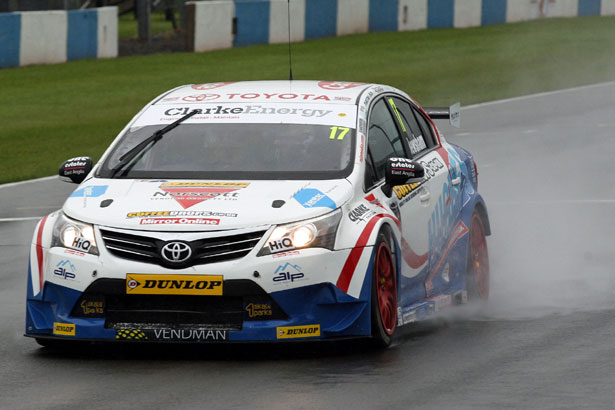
x: 342, y: 133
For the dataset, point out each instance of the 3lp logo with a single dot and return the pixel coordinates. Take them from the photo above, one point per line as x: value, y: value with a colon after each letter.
x: 288, y: 273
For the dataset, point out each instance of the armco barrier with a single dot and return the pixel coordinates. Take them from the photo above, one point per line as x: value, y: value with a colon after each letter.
x: 48, y: 37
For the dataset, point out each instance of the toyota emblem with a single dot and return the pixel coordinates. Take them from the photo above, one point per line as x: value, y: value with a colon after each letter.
x: 176, y: 252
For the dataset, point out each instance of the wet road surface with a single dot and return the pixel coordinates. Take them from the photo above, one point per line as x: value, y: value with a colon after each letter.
x: 545, y: 339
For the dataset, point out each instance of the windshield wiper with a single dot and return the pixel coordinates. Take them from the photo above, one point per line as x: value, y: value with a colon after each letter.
x: 154, y: 138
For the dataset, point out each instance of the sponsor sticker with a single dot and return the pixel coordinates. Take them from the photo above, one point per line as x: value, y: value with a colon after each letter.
x: 144, y: 284
x: 65, y: 270
x: 64, y: 329
x: 288, y: 273
x: 402, y: 191
x: 283, y: 109
x: 280, y: 244
x: 313, y: 198
x: 337, y: 85
x: 91, y: 191
x: 259, y: 310
x: 179, y: 221
x: 360, y: 214
x: 74, y: 252
x: 293, y: 332
x: 188, y: 194
x: 81, y: 243
x: 289, y: 253
x: 92, y: 308
x: 211, y: 86
x: 175, y: 335
x: 177, y: 214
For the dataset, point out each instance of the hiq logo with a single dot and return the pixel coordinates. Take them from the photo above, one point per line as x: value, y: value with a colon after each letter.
x: 280, y: 244
x: 288, y: 272
x: 65, y: 269
x: 81, y: 243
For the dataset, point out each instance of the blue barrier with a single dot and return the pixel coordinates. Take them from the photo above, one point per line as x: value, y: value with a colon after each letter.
x: 82, y: 38
x: 252, y: 22
x: 383, y: 15
x: 493, y: 12
x: 589, y: 7
x: 10, y: 30
x: 320, y: 18
x: 440, y: 13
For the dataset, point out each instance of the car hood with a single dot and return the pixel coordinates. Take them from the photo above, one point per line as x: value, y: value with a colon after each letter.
x: 207, y: 205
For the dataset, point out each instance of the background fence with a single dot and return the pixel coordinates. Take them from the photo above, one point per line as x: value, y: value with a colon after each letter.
x: 47, y: 37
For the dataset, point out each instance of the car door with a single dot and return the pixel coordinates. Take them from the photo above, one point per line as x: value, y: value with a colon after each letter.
x: 442, y: 188
x: 388, y: 136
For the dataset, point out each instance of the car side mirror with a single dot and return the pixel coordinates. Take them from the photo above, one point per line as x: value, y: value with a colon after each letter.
x: 75, y: 169
x: 401, y: 171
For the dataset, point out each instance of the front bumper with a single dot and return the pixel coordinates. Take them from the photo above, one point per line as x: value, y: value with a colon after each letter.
x: 103, y: 312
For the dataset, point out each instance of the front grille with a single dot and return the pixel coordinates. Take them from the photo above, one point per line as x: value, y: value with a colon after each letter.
x: 107, y: 298
x: 178, y: 312
x: 209, y: 250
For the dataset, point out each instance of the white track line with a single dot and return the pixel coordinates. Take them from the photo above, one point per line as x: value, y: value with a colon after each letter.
x: 28, y: 181
x: 525, y: 97
x: 25, y: 218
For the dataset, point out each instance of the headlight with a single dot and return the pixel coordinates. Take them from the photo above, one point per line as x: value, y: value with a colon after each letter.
x: 68, y: 233
x: 312, y: 233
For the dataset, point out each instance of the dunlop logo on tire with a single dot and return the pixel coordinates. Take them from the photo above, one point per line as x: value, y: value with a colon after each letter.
x: 142, y: 284
x: 292, y: 332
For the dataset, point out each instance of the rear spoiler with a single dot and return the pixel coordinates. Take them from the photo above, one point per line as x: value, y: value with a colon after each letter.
x: 451, y: 113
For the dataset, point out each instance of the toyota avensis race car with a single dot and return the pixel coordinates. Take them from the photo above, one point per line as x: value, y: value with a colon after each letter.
x: 262, y: 211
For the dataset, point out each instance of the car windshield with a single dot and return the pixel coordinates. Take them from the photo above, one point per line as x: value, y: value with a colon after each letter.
x: 229, y: 151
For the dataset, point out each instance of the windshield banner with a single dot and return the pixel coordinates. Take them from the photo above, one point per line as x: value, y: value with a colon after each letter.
x: 319, y: 114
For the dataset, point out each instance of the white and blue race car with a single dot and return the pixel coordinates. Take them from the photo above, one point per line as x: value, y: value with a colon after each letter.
x: 262, y: 211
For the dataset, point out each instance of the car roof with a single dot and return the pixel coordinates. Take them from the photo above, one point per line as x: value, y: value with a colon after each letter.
x: 319, y: 92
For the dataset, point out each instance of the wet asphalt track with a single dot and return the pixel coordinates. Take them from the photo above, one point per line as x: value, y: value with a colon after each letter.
x: 545, y: 340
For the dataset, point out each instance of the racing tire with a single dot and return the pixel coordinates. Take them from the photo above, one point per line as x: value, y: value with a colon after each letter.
x: 384, y: 293
x: 477, y: 277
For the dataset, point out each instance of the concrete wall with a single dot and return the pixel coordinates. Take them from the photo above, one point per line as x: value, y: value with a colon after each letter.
x: 210, y: 27
x: 50, y: 37
x: 468, y: 13
x: 412, y: 15
x: 266, y: 21
x: 278, y: 21
x: 608, y: 7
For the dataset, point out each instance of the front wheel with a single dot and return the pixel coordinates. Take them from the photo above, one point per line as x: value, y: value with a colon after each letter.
x: 478, y: 261
x: 384, y: 293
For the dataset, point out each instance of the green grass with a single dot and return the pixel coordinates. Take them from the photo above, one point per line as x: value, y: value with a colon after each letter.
x: 51, y: 113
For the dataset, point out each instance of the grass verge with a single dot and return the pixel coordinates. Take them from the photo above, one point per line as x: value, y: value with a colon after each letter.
x: 51, y: 113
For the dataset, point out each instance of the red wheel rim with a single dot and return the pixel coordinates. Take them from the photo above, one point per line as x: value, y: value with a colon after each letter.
x: 386, y: 288
x: 480, y: 257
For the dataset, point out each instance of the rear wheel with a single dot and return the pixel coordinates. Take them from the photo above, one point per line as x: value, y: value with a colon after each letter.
x: 384, y: 293
x: 478, y: 261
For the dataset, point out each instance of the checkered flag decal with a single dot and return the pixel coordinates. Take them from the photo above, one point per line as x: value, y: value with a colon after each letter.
x: 130, y: 334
